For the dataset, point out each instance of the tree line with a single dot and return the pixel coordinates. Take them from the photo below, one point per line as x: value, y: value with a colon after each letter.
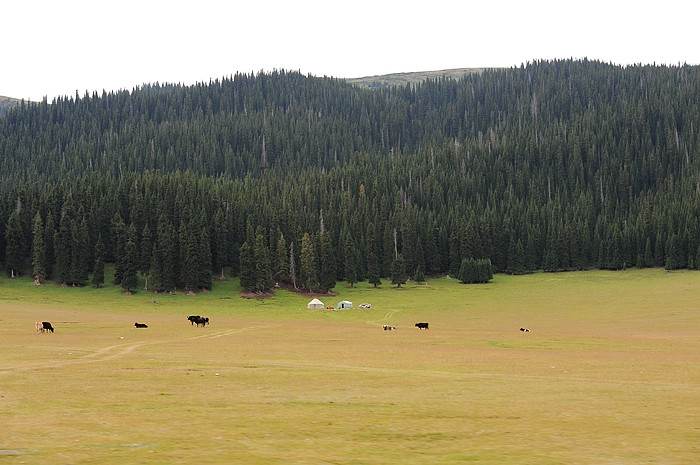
x: 284, y: 178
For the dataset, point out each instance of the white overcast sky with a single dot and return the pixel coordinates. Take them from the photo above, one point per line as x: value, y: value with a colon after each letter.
x: 58, y: 47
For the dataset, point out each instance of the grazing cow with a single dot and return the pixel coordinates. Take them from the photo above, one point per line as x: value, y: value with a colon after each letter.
x: 39, y: 327
x: 201, y: 321
x: 422, y: 325
x: 47, y: 326
x: 389, y: 328
x: 193, y: 318
x: 525, y: 330
x: 141, y: 325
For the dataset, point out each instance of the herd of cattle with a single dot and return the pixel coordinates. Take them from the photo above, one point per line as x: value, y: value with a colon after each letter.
x: 45, y: 326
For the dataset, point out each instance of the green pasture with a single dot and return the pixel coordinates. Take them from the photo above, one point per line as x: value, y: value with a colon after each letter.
x: 608, y: 374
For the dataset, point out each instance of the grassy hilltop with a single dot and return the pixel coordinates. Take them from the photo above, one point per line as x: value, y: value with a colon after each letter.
x: 608, y: 374
x: 401, y: 79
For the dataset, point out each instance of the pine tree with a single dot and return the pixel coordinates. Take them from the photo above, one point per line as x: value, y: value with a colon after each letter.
x: 517, y: 264
x: 350, y: 263
x: 189, y: 254
x: 130, y: 278
x: 221, y: 249
x: 307, y: 272
x: 281, y: 272
x: 14, y: 254
x: 373, y: 276
x: 398, y: 271
x: 146, y: 254
x: 63, y: 247
x: 119, y: 239
x: 247, y: 268
x: 49, y: 233
x: 204, y: 260
x: 263, y: 271
x: 98, y: 273
x: 38, y: 251
x: 327, y: 263
x: 673, y: 260
x: 467, y: 271
x: 420, y: 275
x: 163, y: 260
x: 79, y: 270
x: 648, y: 255
x: 292, y: 266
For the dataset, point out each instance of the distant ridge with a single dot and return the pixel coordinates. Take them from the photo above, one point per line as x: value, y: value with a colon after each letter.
x: 6, y: 103
x: 383, y: 80
x: 396, y: 79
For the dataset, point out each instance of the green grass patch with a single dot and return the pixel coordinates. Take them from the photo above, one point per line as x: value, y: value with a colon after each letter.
x: 610, y: 373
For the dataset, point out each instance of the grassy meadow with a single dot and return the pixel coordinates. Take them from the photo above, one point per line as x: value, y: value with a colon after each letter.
x: 608, y: 374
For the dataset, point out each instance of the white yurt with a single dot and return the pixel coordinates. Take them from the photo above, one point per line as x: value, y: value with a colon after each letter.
x: 315, y: 304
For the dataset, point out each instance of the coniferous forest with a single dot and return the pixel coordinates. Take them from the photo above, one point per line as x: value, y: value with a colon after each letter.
x: 283, y: 178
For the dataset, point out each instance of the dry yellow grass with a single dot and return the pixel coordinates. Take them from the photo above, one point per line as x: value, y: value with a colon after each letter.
x: 610, y: 373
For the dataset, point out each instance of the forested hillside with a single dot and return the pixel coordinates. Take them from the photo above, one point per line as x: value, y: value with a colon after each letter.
x: 554, y: 165
x: 6, y: 103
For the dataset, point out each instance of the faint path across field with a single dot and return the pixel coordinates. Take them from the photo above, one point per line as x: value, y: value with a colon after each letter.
x: 385, y: 319
x: 118, y: 351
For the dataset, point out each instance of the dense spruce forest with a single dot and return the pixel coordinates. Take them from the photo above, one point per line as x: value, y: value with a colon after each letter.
x: 283, y: 178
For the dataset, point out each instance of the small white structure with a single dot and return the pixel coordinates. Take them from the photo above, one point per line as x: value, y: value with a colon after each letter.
x: 345, y: 304
x: 315, y: 304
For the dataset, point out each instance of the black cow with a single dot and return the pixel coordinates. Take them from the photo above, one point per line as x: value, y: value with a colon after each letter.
x: 47, y: 326
x: 141, y: 325
x: 422, y: 325
x: 201, y: 321
x: 193, y: 318
x: 525, y: 330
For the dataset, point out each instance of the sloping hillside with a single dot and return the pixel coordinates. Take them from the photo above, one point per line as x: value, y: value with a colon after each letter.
x: 6, y: 103
x: 398, y: 79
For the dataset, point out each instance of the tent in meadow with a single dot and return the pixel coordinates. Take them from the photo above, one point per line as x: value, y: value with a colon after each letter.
x: 315, y: 304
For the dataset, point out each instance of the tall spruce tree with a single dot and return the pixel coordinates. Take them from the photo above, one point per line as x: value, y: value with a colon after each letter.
x: 204, y: 264
x: 350, y: 262
x: 326, y: 273
x: 130, y: 280
x: 263, y: 272
x: 373, y: 276
x: 398, y: 271
x: 38, y: 251
x: 221, y: 243
x: 189, y: 254
x: 164, y: 256
x: 119, y: 238
x: 79, y: 270
x: 293, y: 266
x: 63, y: 246
x: 307, y: 270
x: 281, y: 269
x: 14, y: 253
x: 98, y: 273
x: 49, y: 233
x: 247, y: 268
x: 146, y: 252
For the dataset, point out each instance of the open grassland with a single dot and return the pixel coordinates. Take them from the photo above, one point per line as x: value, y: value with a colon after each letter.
x: 609, y: 374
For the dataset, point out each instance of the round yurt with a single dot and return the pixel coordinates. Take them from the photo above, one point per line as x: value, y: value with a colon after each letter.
x: 315, y: 304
